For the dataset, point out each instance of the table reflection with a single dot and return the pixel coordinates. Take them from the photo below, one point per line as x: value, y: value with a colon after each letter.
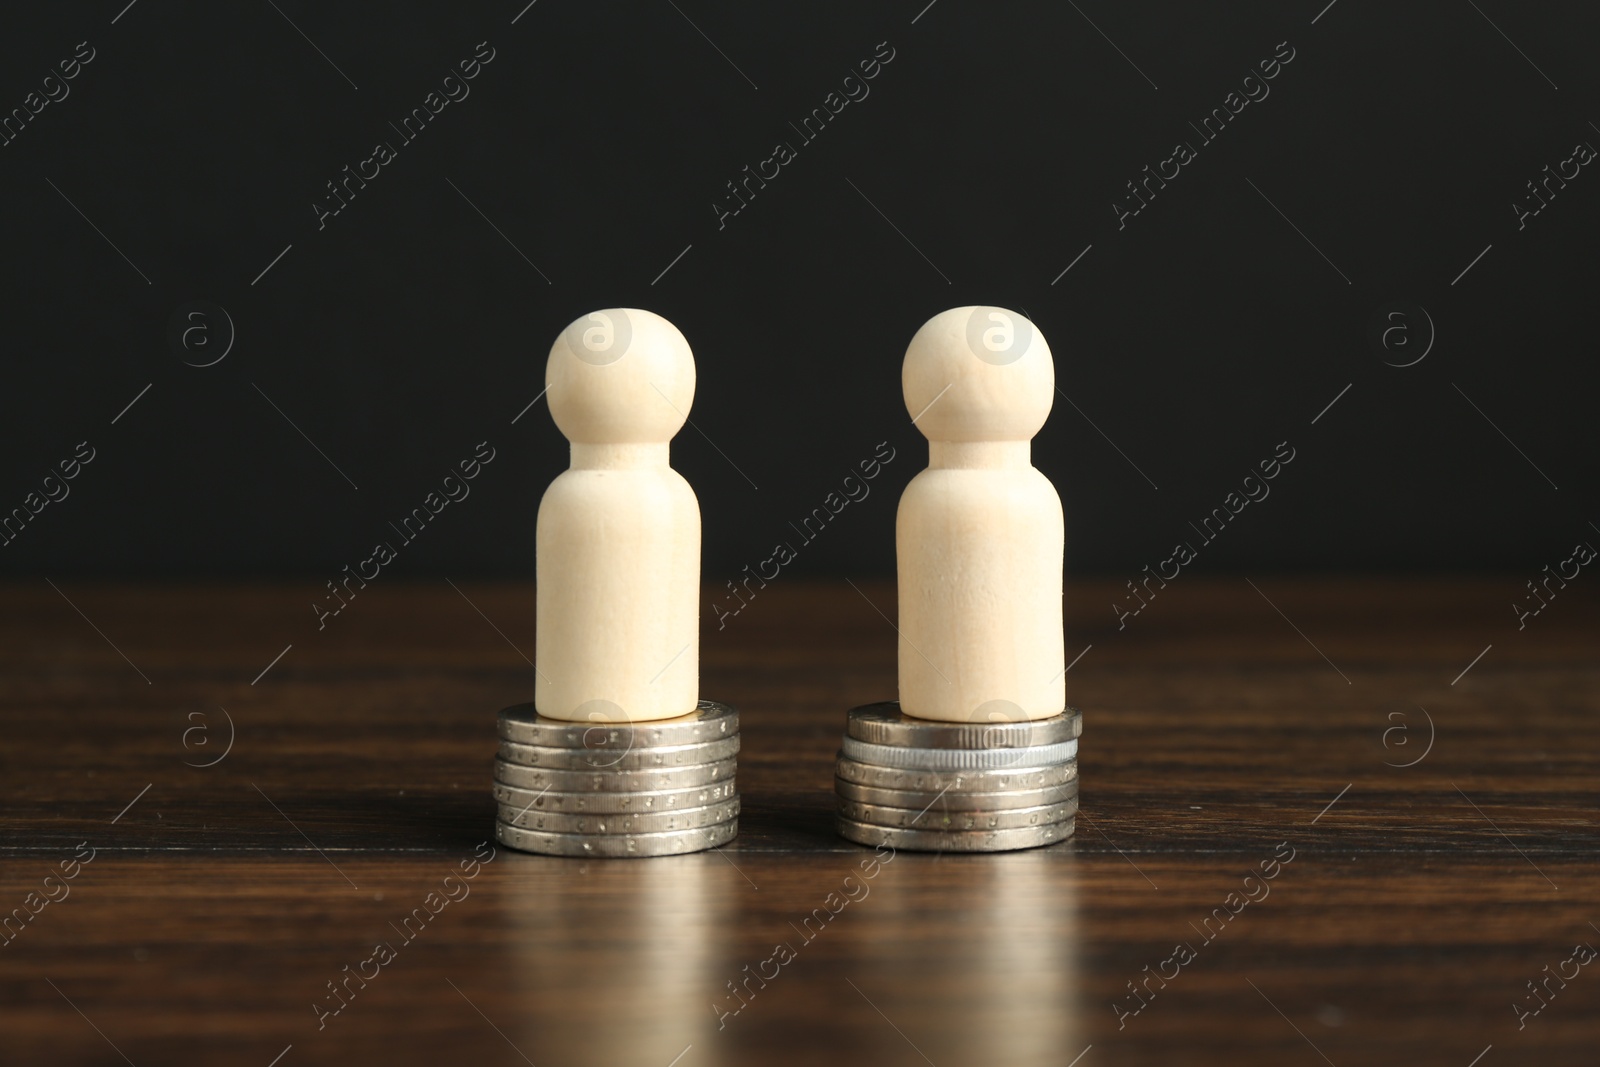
x: 985, y: 976
x: 614, y: 959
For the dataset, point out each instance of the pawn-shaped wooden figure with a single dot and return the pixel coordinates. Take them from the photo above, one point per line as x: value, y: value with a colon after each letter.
x: 619, y: 531
x: 979, y: 535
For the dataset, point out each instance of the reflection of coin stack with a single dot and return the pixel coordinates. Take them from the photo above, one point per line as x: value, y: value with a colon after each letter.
x: 956, y: 787
x: 654, y: 788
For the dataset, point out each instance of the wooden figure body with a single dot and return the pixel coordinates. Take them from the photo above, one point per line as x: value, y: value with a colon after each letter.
x: 979, y: 535
x: 618, y: 535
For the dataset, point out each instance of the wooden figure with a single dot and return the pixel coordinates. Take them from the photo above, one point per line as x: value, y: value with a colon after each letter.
x: 979, y: 536
x: 618, y: 535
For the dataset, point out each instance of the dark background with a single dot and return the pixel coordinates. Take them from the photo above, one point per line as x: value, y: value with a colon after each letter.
x: 408, y: 330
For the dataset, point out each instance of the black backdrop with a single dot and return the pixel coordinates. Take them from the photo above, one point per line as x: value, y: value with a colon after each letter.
x: 375, y: 347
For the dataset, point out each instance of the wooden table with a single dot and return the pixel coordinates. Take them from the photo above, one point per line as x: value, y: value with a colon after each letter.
x: 1221, y: 728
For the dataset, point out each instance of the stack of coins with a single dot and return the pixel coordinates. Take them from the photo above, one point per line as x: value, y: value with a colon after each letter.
x: 657, y: 788
x: 956, y: 787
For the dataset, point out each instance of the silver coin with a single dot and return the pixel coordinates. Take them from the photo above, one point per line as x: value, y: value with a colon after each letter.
x: 886, y: 724
x: 945, y: 820
x: 957, y: 759
x: 711, y: 721
x: 955, y: 840
x: 950, y: 800
x: 612, y: 781
x: 614, y: 803
x: 614, y: 759
x: 991, y: 781
x: 666, y: 843
x: 527, y: 818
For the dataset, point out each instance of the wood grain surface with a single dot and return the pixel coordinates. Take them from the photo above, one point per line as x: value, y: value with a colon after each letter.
x: 1232, y: 720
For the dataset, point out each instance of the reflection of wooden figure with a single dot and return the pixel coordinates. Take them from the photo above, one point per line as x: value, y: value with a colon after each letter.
x: 619, y: 531
x: 979, y: 535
